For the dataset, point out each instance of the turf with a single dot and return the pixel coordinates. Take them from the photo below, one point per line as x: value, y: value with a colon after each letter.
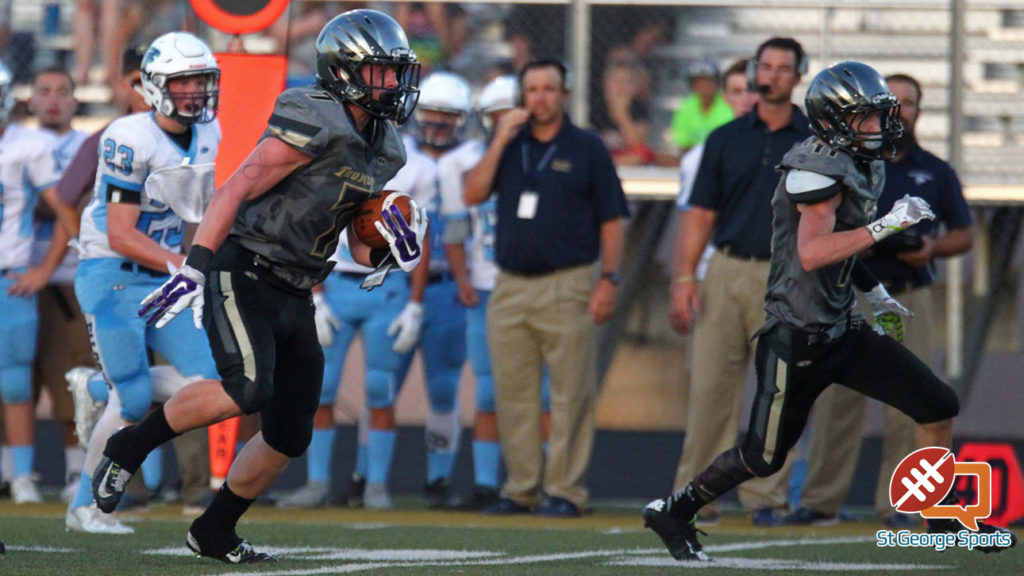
x: 416, y: 542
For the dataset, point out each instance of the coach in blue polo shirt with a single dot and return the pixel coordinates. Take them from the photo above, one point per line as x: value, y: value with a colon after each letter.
x: 904, y: 263
x: 560, y: 210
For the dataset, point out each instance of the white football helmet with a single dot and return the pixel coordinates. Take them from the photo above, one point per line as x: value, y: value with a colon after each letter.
x: 177, y: 55
x: 448, y: 93
x: 499, y: 94
x: 6, y: 93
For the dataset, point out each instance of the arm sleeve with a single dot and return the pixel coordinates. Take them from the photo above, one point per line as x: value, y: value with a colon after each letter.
x: 807, y: 187
x: 123, y: 163
x: 862, y: 277
x: 294, y: 122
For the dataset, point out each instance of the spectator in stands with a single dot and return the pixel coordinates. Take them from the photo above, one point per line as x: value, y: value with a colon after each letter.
x: 93, y: 24
x: 535, y: 31
x: 731, y: 206
x: 703, y: 110
x: 905, y: 264
x: 5, y: 25
x: 560, y: 210
x: 139, y: 23
x: 627, y: 99
x: 63, y: 341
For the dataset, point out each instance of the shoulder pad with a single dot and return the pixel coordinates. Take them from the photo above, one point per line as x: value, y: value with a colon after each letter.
x: 806, y: 187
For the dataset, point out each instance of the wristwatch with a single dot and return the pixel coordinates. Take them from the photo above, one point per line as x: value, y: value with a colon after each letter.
x: 612, y: 277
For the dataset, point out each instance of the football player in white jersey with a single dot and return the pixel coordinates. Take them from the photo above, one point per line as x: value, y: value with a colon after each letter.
x: 131, y: 243
x: 476, y: 225
x: 63, y: 339
x: 432, y: 319
x: 26, y: 169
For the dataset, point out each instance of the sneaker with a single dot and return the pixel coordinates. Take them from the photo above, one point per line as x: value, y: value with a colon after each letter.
x: 242, y: 553
x: 679, y: 536
x: 952, y: 526
x: 506, y: 507
x: 90, y: 519
x: 108, y: 482
x: 560, y: 508
x: 312, y: 495
x: 804, y: 516
x: 25, y: 491
x: 355, y: 492
x: 481, y: 497
x: 766, y: 517
x: 87, y: 410
x: 436, y: 493
x: 375, y: 497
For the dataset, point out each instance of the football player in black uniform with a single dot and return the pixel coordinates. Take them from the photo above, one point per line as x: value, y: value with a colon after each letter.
x: 262, y: 245
x: 824, y: 209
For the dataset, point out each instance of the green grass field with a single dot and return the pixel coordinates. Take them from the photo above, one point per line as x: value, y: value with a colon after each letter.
x: 416, y: 542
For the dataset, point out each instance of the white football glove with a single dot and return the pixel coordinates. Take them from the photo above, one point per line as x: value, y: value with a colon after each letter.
x: 407, y: 326
x: 405, y: 239
x: 906, y: 212
x: 326, y: 322
x: 888, y: 312
x: 183, y: 290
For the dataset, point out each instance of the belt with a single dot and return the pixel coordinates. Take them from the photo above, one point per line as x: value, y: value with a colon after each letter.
x: 732, y: 252
x: 529, y: 273
x: 140, y: 269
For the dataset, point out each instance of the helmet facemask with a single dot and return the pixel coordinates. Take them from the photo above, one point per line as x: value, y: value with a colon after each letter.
x: 442, y: 132
x: 369, y: 41
x: 187, y: 108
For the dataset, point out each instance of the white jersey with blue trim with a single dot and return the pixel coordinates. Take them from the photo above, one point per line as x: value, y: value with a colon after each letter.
x: 451, y: 169
x: 26, y: 168
x: 418, y: 178
x: 130, y: 149
x: 65, y: 147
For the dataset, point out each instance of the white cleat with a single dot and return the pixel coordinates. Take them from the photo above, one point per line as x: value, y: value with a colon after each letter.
x: 90, y: 519
x: 376, y: 497
x: 25, y: 491
x: 87, y: 410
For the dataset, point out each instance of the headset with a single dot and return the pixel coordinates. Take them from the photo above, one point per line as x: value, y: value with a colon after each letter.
x: 781, y: 43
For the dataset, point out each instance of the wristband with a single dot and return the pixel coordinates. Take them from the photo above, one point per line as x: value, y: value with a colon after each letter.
x: 685, y: 278
x: 199, y: 258
x: 612, y: 277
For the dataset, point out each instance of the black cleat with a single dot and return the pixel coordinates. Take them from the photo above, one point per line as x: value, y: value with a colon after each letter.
x: 679, y: 537
x: 108, y: 483
x: 242, y: 553
x: 436, y: 493
x: 356, y: 491
x: 481, y: 497
x: 952, y: 526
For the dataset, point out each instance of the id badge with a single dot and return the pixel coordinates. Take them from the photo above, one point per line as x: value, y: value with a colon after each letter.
x: 527, y: 205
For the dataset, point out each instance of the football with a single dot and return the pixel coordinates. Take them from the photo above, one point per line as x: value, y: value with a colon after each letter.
x: 371, y: 211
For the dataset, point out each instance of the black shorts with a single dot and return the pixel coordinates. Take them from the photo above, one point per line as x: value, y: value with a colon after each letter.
x: 792, y: 371
x: 263, y: 338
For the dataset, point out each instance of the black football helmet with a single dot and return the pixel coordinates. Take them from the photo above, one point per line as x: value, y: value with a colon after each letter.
x: 854, y: 89
x: 360, y: 37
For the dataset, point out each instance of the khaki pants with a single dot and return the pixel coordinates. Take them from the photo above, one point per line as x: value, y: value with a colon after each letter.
x: 531, y: 321
x: 732, y: 301
x: 838, y: 424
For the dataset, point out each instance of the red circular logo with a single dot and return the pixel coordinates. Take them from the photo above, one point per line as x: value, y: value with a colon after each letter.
x: 922, y: 479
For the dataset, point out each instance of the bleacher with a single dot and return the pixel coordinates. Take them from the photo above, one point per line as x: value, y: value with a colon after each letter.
x: 914, y: 39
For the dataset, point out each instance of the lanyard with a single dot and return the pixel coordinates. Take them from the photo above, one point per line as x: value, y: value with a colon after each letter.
x: 532, y: 176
